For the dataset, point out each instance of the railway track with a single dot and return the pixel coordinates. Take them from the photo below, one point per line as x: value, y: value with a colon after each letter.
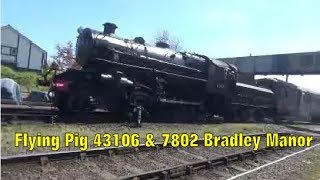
x: 303, y: 129
x: 240, y: 168
x: 25, y: 103
x: 17, y: 112
x: 231, y: 163
x: 222, y: 164
x: 49, y: 114
x: 230, y: 166
x: 23, y: 112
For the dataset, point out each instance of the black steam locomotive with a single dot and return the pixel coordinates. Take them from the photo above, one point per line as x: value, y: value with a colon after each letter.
x: 132, y: 78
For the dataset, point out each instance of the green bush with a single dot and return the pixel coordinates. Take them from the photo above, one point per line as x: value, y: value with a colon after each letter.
x: 7, y: 72
x: 26, y: 79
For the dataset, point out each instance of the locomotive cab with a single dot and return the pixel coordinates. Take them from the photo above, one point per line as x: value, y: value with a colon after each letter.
x: 222, y: 78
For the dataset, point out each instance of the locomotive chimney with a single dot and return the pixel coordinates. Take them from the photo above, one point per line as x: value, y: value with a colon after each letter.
x: 109, y: 28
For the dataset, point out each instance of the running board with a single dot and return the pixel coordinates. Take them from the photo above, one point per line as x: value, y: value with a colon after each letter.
x: 170, y: 101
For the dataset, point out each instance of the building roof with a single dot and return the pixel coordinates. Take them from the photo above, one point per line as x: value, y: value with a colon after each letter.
x: 16, y: 31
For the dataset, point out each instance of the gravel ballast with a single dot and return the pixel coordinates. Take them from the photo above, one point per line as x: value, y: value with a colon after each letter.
x: 305, y: 165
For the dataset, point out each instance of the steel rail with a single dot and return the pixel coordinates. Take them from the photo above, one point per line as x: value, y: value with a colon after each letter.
x: 302, y: 129
x: 26, y: 115
x: 187, y: 169
x: 14, y: 110
x: 27, y: 103
x: 10, y: 110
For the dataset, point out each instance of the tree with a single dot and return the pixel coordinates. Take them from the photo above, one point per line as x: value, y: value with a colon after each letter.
x: 65, y: 56
x: 64, y: 59
x: 174, y: 42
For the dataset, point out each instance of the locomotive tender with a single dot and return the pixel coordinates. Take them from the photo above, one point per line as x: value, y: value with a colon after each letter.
x: 133, y: 78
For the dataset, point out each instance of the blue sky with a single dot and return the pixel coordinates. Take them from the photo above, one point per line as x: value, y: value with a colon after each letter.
x: 215, y: 28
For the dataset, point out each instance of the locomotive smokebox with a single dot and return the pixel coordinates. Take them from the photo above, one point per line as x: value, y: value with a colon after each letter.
x: 109, y: 28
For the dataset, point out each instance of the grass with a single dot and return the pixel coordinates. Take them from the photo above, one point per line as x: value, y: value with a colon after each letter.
x: 311, y: 165
x: 26, y: 79
x: 8, y: 132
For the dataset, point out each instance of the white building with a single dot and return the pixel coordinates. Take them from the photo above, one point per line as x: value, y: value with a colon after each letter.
x: 19, y: 51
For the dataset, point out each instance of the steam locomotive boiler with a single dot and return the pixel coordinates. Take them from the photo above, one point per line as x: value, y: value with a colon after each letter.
x: 133, y: 78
